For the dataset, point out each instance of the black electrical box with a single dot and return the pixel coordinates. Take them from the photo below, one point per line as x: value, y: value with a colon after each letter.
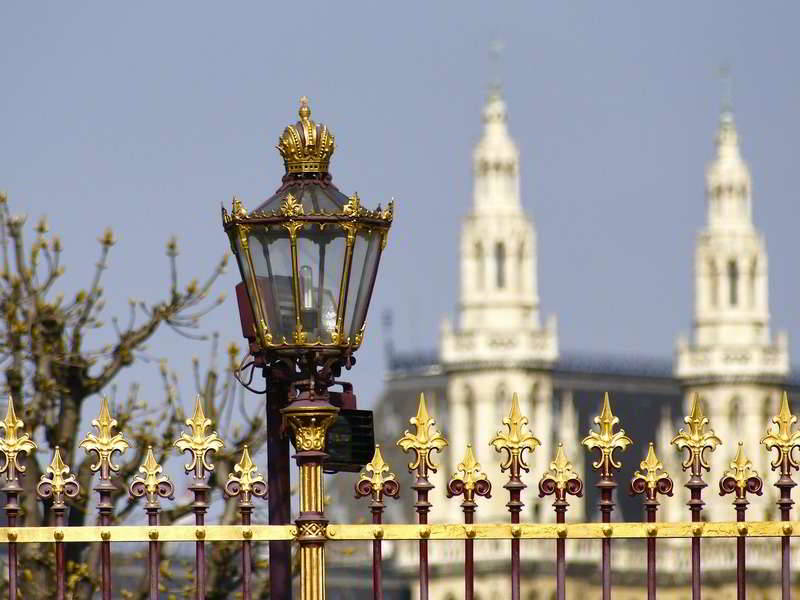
x: 350, y: 441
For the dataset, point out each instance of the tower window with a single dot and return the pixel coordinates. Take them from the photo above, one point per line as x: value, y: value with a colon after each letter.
x: 753, y: 278
x: 714, y: 287
x: 500, y: 263
x: 733, y: 283
x: 480, y: 265
x: 520, y: 265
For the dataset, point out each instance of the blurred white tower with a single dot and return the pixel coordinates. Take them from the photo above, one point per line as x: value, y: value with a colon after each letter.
x: 732, y: 361
x: 498, y: 346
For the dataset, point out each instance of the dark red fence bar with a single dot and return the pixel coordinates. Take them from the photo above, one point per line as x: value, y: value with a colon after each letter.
x: 515, y: 441
x: 58, y: 484
x: 380, y: 483
x: 696, y: 441
x: 199, y: 445
x: 651, y: 481
x: 606, y: 441
x: 153, y: 484
x: 740, y: 479
x: 104, y: 445
x: 246, y: 482
x: 559, y: 481
x: 783, y: 436
x: 11, y: 446
x: 423, y: 442
x: 469, y: 481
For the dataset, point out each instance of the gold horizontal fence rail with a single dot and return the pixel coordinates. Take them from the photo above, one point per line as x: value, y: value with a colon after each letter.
x: 440, y: 532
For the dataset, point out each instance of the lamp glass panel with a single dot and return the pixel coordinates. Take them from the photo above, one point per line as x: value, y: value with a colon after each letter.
x: 362, y: 278
x: 271, y: 253
x: 320, y: 259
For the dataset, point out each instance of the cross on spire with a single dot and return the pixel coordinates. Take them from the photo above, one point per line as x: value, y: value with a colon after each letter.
x: 496, y: 49
x: 726, y: 77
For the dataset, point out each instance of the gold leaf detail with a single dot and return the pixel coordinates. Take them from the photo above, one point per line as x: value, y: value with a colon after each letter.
x: 198, y: 444
x: 697, y: 440
x: 290, y: 207
x: 652, y: 467
x: 426, y: 439
x: 246, y: 473
x: 11, y: 444
x: 105, y: 443
x: 606, y: 440
x: 741, y: 469
x: 152, y: 474
x: 780, y: 437
x: 561, y: 470
x: 516, y: 440
x: 377, y: 466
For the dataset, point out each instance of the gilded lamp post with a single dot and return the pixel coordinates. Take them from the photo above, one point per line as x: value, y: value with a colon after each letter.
x: 308, y: 257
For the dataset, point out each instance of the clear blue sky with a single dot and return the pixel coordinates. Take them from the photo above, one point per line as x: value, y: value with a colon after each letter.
x: 146, y: 116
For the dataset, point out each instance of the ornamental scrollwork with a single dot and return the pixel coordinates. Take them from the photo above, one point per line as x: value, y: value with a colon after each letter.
x: 606, y: 440
x: 198, y: 444
x: 424, y: 441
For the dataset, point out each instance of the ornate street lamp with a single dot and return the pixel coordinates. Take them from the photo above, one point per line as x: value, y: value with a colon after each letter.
x: 308, y: 257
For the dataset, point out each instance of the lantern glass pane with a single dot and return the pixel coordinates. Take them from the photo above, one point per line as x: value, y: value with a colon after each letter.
x: 314, y: 195
x: 320, y: 258
x: 362, y: 278
x: 272, y: 259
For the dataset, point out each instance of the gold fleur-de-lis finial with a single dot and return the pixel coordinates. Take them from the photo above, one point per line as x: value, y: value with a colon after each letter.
x: 652, y: 467
x: 377, y: 479
x: 57, y: 481
x: 105, y: 443
x: 606, y: 440
x: 516, y: 440
x: 12, y: 443
x: 245, y: 480
x: 696, y: 440
x: 740, y: 477
x: 561, y: 470
x: 152, y: 481
x: 198, y: 444
x: 781, y: 437
x: 426, y: 439
x: 377, y: 466
x: 469, y: 479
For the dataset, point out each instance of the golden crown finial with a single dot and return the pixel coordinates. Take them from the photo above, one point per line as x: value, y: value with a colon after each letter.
x: 245, y: 480
x: 306, y: 147
x: 606, y: 440
x: 469, y: 479
x: 697, y: 440
x: 782, y: 438
x: 105, y: 443
x: 740, y: 477
x: 11, y: 444
x: 381, y: 481
x: 152, y: 481
x: 426, y: 439
x: 516, y: 440
x: 560, y: 475
x: 57, y: 481
x: 198, y: 444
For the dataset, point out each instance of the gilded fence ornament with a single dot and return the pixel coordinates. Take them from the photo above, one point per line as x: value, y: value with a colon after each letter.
x: 290, y: 207
x: 740, y: 477
x: 198, y: 444
x: 105, y: 443
x: 697, y: 440
x: 516, y: 440
x: 246, y: 481
x: 57, y: 482
x: 376, y: 479
x: 469, y: 480
x: 424, y: 441
x: 781, y: 436
x: 151, y: 481
x: 561, y: 478
x: 12, y: 443
x: 606, y: 440
x: 652, y: 479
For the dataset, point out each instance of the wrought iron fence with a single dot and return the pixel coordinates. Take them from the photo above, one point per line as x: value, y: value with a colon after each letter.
x: 312, y: 531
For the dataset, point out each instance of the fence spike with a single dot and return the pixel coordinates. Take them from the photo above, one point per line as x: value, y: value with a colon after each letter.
x: 377, y: 481
x: 606, y: 441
